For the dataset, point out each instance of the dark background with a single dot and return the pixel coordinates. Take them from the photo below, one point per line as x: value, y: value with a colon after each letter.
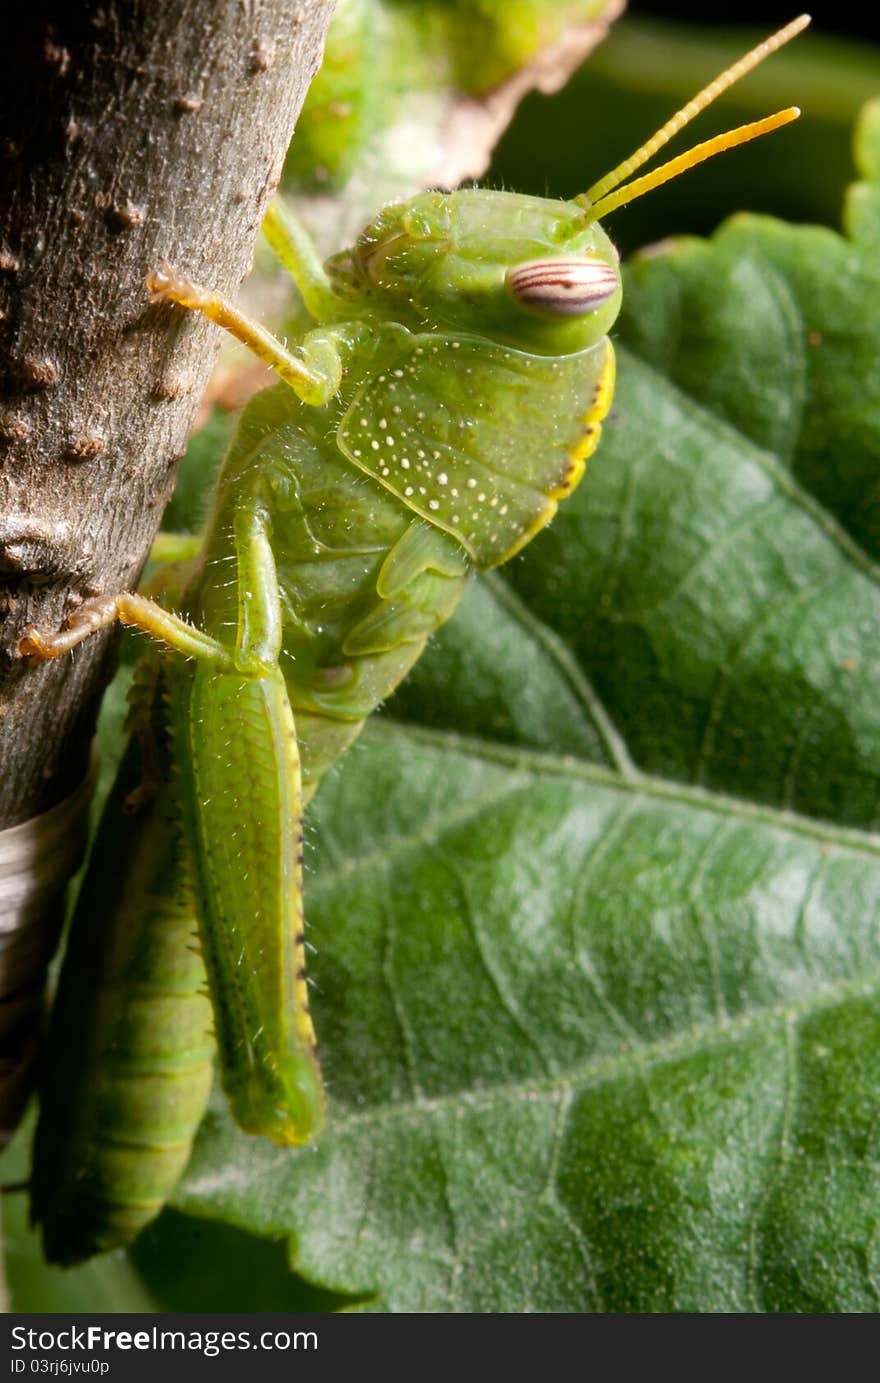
x: 853, y: 20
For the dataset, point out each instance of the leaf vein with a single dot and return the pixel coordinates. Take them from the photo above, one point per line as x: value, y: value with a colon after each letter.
x: 536, y: 764
x: 597, y: 1071
x: 594, y: 711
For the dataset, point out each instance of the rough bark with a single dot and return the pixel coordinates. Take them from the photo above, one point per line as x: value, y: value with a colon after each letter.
x: 131, y: 131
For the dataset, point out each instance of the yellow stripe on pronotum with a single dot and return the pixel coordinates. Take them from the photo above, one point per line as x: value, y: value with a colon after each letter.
x: 592, y: 421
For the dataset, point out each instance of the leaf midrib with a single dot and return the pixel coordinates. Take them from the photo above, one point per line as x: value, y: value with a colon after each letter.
x: 529, y: 764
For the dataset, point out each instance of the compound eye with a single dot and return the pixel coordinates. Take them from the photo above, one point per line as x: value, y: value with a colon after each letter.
x: 563, y: 287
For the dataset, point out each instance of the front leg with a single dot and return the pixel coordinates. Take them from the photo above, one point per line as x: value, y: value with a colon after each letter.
x: 314, y: 375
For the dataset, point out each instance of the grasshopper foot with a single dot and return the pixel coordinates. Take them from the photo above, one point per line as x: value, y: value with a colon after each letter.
x: 91, y: 615
x: 164, y: 284
x: 32, y: 645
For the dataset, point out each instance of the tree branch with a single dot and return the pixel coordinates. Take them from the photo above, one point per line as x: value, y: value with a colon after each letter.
x: 132, y: 131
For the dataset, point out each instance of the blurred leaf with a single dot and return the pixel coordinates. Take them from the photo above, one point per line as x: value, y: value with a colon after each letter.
x: 414, y: 93
x: 596, y: 916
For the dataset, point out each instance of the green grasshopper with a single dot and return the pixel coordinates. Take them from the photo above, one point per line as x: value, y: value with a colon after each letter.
x: 447, y: 398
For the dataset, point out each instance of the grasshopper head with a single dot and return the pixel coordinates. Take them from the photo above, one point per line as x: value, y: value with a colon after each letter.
x: 527, y: 272
x: 524, y: 271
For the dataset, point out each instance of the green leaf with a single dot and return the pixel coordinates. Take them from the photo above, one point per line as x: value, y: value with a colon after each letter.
x: 596, y: 913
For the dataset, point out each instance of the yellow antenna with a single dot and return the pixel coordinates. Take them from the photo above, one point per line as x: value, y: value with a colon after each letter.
x: 596, y: 195
x: 698, y: 154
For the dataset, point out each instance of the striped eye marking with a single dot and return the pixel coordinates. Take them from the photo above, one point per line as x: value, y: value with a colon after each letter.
x: 563, y: 287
